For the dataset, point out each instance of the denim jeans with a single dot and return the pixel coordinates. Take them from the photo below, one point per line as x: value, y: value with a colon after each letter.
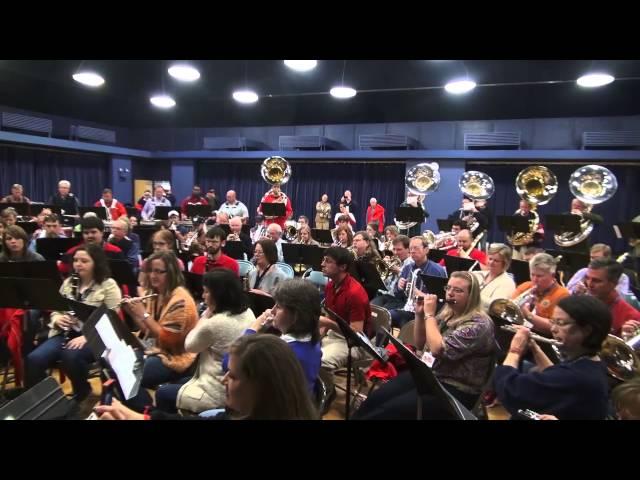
x: 75, y: 364
x: 167, y: 395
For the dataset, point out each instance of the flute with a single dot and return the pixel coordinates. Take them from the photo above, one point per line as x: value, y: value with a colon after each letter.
x: 124, y: 300
x: 535, y: 337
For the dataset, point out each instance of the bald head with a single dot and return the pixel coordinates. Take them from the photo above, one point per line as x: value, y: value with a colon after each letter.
x: 464, y: 239
x: 231, y: 196
x: 235, y: 224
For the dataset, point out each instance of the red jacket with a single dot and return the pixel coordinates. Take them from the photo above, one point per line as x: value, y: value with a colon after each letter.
x: 376, y: 215
x: 116, y: 209
x: 191, y: 200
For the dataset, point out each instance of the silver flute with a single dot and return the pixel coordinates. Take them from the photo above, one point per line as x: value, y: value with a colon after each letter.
x: 535, y: 337
x: 124, y: 300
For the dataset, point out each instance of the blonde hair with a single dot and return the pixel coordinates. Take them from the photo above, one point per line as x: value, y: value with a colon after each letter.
x: 473, y: 307
x: 503, y: 250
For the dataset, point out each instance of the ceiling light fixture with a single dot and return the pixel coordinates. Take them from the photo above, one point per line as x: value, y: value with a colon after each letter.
x: 245, y: 96
x: 595, y: 80
x: 342, y: 92
x: 163, y: 101
x: 301, y: 65
x: 185, y: 73
x: 458, y: 87
x: 90, y: 79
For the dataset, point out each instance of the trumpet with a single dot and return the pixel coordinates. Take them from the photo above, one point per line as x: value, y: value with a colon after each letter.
x: 233, y: 237
x: 537, y: 338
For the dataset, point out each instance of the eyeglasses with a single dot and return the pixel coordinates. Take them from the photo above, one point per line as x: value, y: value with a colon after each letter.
x: 157, y: 271
x: 560, y: 323
x: 455, y: 290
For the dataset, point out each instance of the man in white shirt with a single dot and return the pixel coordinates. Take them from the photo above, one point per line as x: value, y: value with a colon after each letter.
x: 274, y: 232
x: 234, y: 208
x: 158, y: 200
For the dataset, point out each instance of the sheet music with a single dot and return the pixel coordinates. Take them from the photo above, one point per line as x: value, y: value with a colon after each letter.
x: 616, y: 229
x: 120, y: 356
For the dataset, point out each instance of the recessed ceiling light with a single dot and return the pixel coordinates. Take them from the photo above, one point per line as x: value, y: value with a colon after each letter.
x: 186, y: 73
x: 163, y: 101
x: 458, y: 87
x: 595, y: 80
x: 342, y: 92
x: 91, y: 79
x: 245, y: 96
x: 301, y: 65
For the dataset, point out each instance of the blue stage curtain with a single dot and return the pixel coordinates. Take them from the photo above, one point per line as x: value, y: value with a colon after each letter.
x: 39, y: 170
x: 622, y: 207
x: 309, y: 180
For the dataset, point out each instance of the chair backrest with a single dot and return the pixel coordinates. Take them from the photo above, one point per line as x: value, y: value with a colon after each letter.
x: 245, y: 267
x: 317, y: 278
x: 406, y: 333
x: 380, y: 317
x: 286, y: 269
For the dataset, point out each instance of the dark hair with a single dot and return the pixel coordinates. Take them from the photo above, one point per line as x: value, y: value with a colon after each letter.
x: 403, y: 239
x: 344, y: 218
x: 269, y: 249
x: 174, y: 275
x: 52, y: 217
x: 101, y: 270
x: 216, y: 232
x: 340, y: 255
x: 92, y: 222
x: 459, y: 223
x: 226, y: 289
x: 107, y: 190
x: 588, y: 311
x: 302, y: 299
x: 613, y: 268
x: 278, y: 383
x: 15, y: 231
x: 345, y: 228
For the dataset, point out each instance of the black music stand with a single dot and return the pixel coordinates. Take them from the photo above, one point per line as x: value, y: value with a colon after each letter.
x: 162, y: 212
x: 444, y: 224
x: 145, y: 233
x: 259, y: 303
x: 629, y: 230
x: 199, y: 211
x: 322, y: 236
x: 36, y: 208
x: 22, y: 209
x: 562, y: 223
x: 101, y: 212
x: 367, y: 275
x: 298, y: 255
x: 234, y: 249
x: 193, y: 283
x: 513, y: 224
x: 122, y: 272
x: 520, y: 271
x: 246, y: 229
x: 570, y: 262
x: 133, y: 212
x: 273, y: 209
x: 43, y: 401
x: 28, y: 227
x: 225, y: 228
x: 47, y: 269
x: 55, y: 248
x: 436, y: 255
x: 458, y: 264
x: 31, y: 293
x: 427, y: 383
x: 354, y: 339
x: 410, y: 214
x: 435, y: 286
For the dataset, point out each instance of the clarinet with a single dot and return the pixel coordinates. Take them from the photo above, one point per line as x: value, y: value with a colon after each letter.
x: 75, y: 285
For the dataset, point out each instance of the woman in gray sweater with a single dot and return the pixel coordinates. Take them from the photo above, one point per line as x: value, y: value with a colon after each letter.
x: 265, y: 278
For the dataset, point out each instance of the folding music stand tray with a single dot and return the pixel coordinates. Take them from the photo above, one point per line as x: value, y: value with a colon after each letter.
x: 456, y: 264
x: 28, y: 227
x: 199, y: 211
x: 101, y: 212
x: 427, y: 383
x: 563, y: 223
x: 162, y: 212
x: 627, y: 230
x: 273, y: 209
x: 259, y: 303
x: 55, y: 248
x: 444, y: 224
x: 193, y: 283
x: 513, y: 224
x: 435, y: 286
x: 43, y: 401
x: 234, y: 250
x: 410, y: 214
x: 47, y: 269
x: 367, y: 275
x: 296, y: 254
x: 354, y: 339
x: 122, y: 273
x: 436, y: 255
x: 322, y: 236
x: 520, y: 271
x: 31, y: 293
x: 36, y: 208
x: 133, y: 212
x: 22, y: 209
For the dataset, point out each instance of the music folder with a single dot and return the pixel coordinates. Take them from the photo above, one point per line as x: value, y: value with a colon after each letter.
x: 36, y: 208
x: 457, y: 264
x: 434, y: 286
x: 513, y: 224
x: 101, y: 212
x: 367, y: 274
x: 427, y: 383
x: 162, y: 212
x: 199, y: 211
x: 562, y: 223
x: 31, y: 293
x: 47, y: 269
x: 122, y: 272
x: 322, y: 236
x: 43, y: 401
x: 273, y: 209
x: 234, y: 249
x: 520, y: 271
x: 444, y: 224
x: 571, y: 261
x: 55, y: 248
x: 295, y: 253
x: 409, y: 214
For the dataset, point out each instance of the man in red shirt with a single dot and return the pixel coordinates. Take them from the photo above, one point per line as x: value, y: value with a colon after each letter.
x: 375, y: 214
x: 345, y: 296
x: 275, y: 195
x: 195, y: 198
x: 602, y: 280
x: 464, y: 240
x: 214, y: 241
x: 114, y: 208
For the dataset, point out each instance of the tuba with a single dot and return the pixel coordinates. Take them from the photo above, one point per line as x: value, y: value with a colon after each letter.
x: 591, y: 184
x: 477, y: 186
x: 620, y: 358
x: 275, y: 170
x: 422, y: 179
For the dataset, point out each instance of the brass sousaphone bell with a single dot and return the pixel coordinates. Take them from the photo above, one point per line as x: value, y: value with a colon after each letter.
x: 275, y: 170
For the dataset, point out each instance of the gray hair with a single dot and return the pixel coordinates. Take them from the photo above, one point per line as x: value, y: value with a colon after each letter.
x: 543, y: 261
x: 64, y: 183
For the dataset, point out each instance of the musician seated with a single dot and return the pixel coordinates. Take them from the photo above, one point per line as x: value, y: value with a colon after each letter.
x: 528, y: 253
x: 16, y: 196
x: 158, y: 200
x: 303, y: 220
x: 343, y: 236
x: 164, y: 323
x: 161, y: 241
x: 419, y: 251
x: 304, y: 237
x: 376, y: 238
x: 66, y: 342
x: 92, y: 232
x: 259, y: 230
x: 538, y: 297
x: 282, y: 393
x: 495, y: 282
x: 120, y: 238
x: 464, y: 241
x: 366, y: 251
x: 225, y: 319
x: 459, y: 346
x: 15, y: 243
x: 146, y: 195
x: 9, y: 216
x: 577, y: 387
x: 601, y: 281
x: 236, y: 235
x: 64, y: 199
x: 222, y: 218
x: 195, y: 198
x: 274, y: 232
x: 51, y: 229
x: 115, y: 208
x: 266, y: 276
x: 599, y: 250
x: 626, y: 399
x: 346, y: 297
x: 173, y: 224
x: 344, y: 212
x: 400, y: 251
x: 214, y: 258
